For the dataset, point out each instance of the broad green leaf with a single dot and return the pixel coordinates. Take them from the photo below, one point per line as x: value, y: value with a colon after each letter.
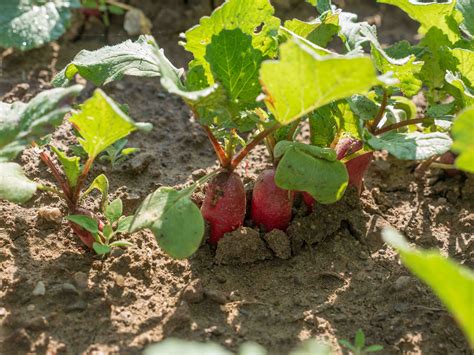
x: 253, y: 17
x: 100, y: 123
x: 71, y: 166
x: 172, y: 346
x: 450, y: 281
x: 251, y: 348
x: 373, y: 348
x: 459, y: 90
x: 431, y: 14
x: 88, y: 223
x: 101, y: 249
x: 354, y: 34
x: 299, y: 170
x: 319, y: 31
x: 412, y: 146
x: 462, y: 132
x: 405, y: 70
x: 14, y: 185
x: 440, y: 110
x: 123, y: 224
x: 321, y: 5
x: 21, y: 123
x: 111, y: 63
x: 359, y: 340
x: 363, y: 107
x: 234, y: 64
x: 114, y: 210
x: 318, y: 152
x: 27, y: 24
x: 466, y: 7
x: 465, y: 66
x: 101, y: 184
x: 174, y: 219
x: 323, y: 126
x: 315, y: 80
x: 107, y: 231
x: 346, y: 120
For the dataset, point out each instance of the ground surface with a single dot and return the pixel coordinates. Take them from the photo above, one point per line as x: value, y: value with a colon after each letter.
x: 347, y: 280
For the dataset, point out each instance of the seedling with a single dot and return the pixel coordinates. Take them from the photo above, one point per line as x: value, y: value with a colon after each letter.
x: 359, y: 348
x: 99, y: 122
x: 257, y: 77
x: 117, y: 153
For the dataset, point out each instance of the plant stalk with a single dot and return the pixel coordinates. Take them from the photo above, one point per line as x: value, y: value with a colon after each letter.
x: 398, y: 125
x: 380, y: 113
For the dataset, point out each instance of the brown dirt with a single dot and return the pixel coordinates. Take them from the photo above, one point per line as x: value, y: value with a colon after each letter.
x: 56, y: 297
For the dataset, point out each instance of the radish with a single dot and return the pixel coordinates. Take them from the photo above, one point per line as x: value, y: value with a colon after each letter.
x: 449, y: 158
x: 224, y: 204
x: 271, y: 205
x: 86, y: 236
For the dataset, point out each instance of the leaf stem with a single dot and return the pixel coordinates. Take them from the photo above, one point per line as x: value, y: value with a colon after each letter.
x: 443, y: 166
x: 258, y: 138
x: 82, y: 178
x: 52, y: 190
x: 201, y: 181
x: 221, y: 154
x: 380, y: 113
x: 293, y: 128
x: 399, y: 125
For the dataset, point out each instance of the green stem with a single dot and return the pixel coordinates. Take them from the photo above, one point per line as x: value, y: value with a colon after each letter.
x: 380, y: 113
x: 443, y: 166
x: 81, y: 179
x: 293, y: 128
x: 51, y: 189
x: 189, y: 190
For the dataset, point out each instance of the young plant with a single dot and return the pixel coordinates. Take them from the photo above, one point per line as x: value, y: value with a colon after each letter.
x: 99, y: 123
x: 117, y: 153
x: 238, y: 87
x: 359, y: 348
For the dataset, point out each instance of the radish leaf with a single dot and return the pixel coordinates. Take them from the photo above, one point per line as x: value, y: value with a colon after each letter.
x: 85, y: 222
x: 319, y: 31
x: 412, y: 146
x: 100, y: 183
x: 315, y: 80
x: 450, y: 281
x: 14, y: 185
x: 95, y: 130
x: 462, y: 131
x: 174, y: 219
x: 70, y: 165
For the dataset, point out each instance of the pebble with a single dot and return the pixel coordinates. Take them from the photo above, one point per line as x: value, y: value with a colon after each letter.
x: 78, y: 306
x: 40, y: 289
x: 80, y: 279
x: 221, y: 279
x: 402, y: 283
x: 194, y: 292
x: 3, y: 311
x: 69, y: 288
x: 30, y: 307
x: 216, y: 296
x: 37, y: 323
x: 120, y: 280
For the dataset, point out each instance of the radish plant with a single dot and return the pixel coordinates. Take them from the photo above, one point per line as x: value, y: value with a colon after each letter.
x: 27, y: 124
x: 254, y: 79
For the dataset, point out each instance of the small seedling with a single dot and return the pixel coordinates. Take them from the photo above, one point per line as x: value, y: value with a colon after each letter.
x: 117, y: 153
x: 359, y: 348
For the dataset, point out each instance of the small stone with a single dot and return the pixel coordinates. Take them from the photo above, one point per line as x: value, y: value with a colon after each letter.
x: 30, y: 307
x: 79, y: 306
x: 50, y: 214
x: 221, y: 279
x: 216, y: 296
x: 120, y: 280
x: 80, y: 279
x: 197, y: 174
x: 37, y: 323
x: 401, y: 307
x: 402, y: 283
x: 194, y: 292
x: 279, y: 243
x: 69, y: 288
x: 40, y: 289
x: 139, y: 163
x: 3, y: 311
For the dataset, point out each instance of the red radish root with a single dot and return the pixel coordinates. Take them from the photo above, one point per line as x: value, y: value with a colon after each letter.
x: 271, y: 205
x: 86, y: 237
x: 449, y: 158
x: 224, y: 204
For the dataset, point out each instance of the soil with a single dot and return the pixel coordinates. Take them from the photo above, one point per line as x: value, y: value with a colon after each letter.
x: 57, y: 297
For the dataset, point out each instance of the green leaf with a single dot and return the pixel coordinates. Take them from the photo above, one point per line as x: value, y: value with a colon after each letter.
x: 319, y: 31
x: 101, y: 123
x: 107, y: 231
x: 450, y: 281
x: 430, y: 14
x: 124, y: 224
x: 252, y: 17
x: 373, y: 348
x: 101, y: 184
x: 21, y: 123
x: 88, y: 223
x: 121, y: 244
x: 347, y: 345
x: 412, y: 146
x: 462, y: 132
x: 466, y: 7
x: 354, y: 34
x: 128, y: 151
x: 101, y: 249
x: 174, y: 219
x: 346, y: 120
x: 14, y: 185
x: 172, y: 346
x: 359, y: 340
x: 323, y: 126
x: 315, y: 80
x: 114, y: 210
x: 322, y: 153
x: 459, y: 90
x: 70, y: 165
x: 312, y: 347
x: 363, y: 107
x: 465, y: 64
x: 301, y: 169
x: 111, y: 63
x: 30, y: 24
x: 234, y: 64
